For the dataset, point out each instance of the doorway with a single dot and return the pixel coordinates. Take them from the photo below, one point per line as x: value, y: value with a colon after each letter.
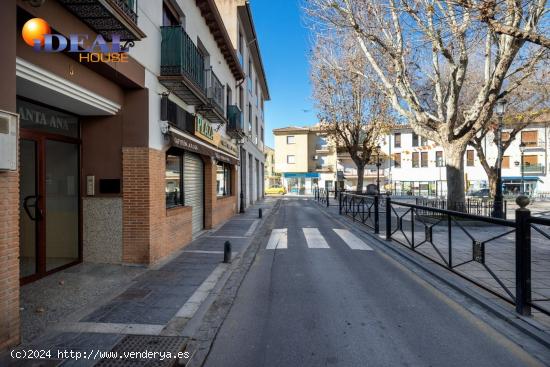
x: 49, y: 204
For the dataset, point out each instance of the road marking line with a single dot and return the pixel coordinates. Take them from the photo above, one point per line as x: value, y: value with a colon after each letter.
x: 252, y: 228
x: 278, y: 239
x: 195, y: 301
x: 314, y: 238
x: 352, y: 240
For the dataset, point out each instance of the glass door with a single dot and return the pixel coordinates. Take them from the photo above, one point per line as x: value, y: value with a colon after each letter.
x: 49, y: 204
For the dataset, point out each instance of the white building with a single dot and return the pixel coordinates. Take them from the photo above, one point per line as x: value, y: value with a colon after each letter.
x: 417, y: 165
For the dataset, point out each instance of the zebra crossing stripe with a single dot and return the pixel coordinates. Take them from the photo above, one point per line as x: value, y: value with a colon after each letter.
x: 314, y: 238
x: 278, y: 239
x: 351, y: 240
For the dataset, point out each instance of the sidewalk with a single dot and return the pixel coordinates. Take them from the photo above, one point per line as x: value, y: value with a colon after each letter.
x: 93, y: 307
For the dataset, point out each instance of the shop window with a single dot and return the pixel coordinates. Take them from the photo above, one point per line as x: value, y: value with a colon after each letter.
x: 424, y: 159
x: 414, y: 140
x: 470, y: 158
x: 397, y: 140
x: 506, y: 161
x: 290, y: 159
x: 223, y: 179
x: 397, y: 160
x: 174, y: 180
x: 290, y: 139
x: 439, y: 159
x: 415, y: 160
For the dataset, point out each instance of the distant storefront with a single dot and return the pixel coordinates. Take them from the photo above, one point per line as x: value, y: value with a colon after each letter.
x: 300, y: 183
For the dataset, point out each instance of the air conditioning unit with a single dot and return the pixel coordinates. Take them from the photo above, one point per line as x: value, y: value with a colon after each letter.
x: 9, y: 127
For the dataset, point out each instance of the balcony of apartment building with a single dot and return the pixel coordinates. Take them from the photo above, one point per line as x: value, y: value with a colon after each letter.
x: 235, y: 122
x: 184, y: 72
x: 108, y: 17
x: 536, y: 169
x: 323, y: 148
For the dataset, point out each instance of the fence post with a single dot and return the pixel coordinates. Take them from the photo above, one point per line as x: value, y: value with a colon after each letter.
x: 340, y: 204
x: 327, y: 198
x: 523, y: 257
x: 376, y: 213
x: 388, y: 218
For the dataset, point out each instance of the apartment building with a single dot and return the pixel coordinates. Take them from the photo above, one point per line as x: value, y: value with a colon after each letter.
x: 119, y: 162
x: 305, y: 158
x: 252, y: 94
x: 271, y: 178
x: 417, y: 165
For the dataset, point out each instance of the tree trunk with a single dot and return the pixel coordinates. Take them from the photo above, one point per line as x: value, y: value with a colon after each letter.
x: 492, y: 177
x: 360, y: 174
x: 454, y: 157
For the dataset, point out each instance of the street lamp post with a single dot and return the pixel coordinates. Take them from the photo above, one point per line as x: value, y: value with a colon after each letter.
x: 522, y: 150
x: 378, y: 164
x: 500, y: 109
x: 240, y: 143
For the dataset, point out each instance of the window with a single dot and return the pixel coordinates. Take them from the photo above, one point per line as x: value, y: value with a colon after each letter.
x: 470, y: 158
x: 529, y: 138
x: 174, y: 180
x: 439, y: 159
x: 506, y: 161
x: 241, y: 99
x: 530, y: 160
x: 397, y: 160
x: 240, y: 43
x: 169, y: 17
x: 229, y: 99
x: 397, y: 140
x: 290, y: 139
x: 424, y: 159
x: 257, y: 126
x: 423, y: 141
x: 290, y: 159
x: 415, y: 140
x: 262, y: 136
x: 223, y: 179
x: 415, y: 159
x: 250, y: 118
x: 505, y: 136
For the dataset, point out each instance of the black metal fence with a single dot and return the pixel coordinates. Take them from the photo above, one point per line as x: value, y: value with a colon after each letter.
x: 470, y: 206
x: 495, y: 254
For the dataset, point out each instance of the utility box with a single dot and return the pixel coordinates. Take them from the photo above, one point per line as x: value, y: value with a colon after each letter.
x: 9, y: 129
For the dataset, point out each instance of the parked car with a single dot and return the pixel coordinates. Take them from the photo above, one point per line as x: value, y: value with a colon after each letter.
x: 275, y: 190
x: 482, y: 193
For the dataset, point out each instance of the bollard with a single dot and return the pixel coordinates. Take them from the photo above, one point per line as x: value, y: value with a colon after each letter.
x: 227, y: 252
x: 260, y: 213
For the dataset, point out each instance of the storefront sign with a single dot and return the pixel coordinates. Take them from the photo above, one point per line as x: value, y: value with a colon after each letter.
x: 188, y: 144
x: 203, y: 129
x: 301, y: 175
x: 228, y: 146
x: 33, y: 116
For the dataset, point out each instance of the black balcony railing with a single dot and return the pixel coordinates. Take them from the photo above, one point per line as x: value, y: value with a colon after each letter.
x: 214, y: 90
x: 180, y: 56
x: 235, y: 126
x: 129, y: 7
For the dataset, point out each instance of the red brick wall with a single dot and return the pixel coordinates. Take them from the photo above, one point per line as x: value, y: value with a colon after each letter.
x: 150, y: 231
x: 9, y: 259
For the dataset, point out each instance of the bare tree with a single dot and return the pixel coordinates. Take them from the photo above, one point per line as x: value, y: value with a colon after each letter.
x: 352, y: 111
x: 411, y: 44
x: 494, y: 16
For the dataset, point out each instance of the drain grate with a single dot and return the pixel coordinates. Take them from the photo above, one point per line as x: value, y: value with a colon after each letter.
x: 144, y: 347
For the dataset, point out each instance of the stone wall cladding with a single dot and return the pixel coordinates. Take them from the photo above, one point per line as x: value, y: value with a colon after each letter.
x: 9, y: 259
x: 102, y: 229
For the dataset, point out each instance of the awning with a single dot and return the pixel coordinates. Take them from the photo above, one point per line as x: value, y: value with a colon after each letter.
x: 181, y: 141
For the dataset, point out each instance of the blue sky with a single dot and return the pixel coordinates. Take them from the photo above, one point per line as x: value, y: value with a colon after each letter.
x: 284, y: 44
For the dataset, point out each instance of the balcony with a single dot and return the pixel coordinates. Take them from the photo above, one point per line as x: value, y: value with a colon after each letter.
x: 182, y: 66
x: 534, y: 144
x: 322, y: 148
x: 213, y: 110
x: 108, y: 17
x: 235, y: 125
x: 534, y: 169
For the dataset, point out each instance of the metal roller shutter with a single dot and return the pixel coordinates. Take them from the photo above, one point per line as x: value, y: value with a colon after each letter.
x: 193, y: 188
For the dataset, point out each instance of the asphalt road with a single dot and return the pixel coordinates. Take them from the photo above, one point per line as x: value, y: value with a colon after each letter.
x: 323, y: 301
